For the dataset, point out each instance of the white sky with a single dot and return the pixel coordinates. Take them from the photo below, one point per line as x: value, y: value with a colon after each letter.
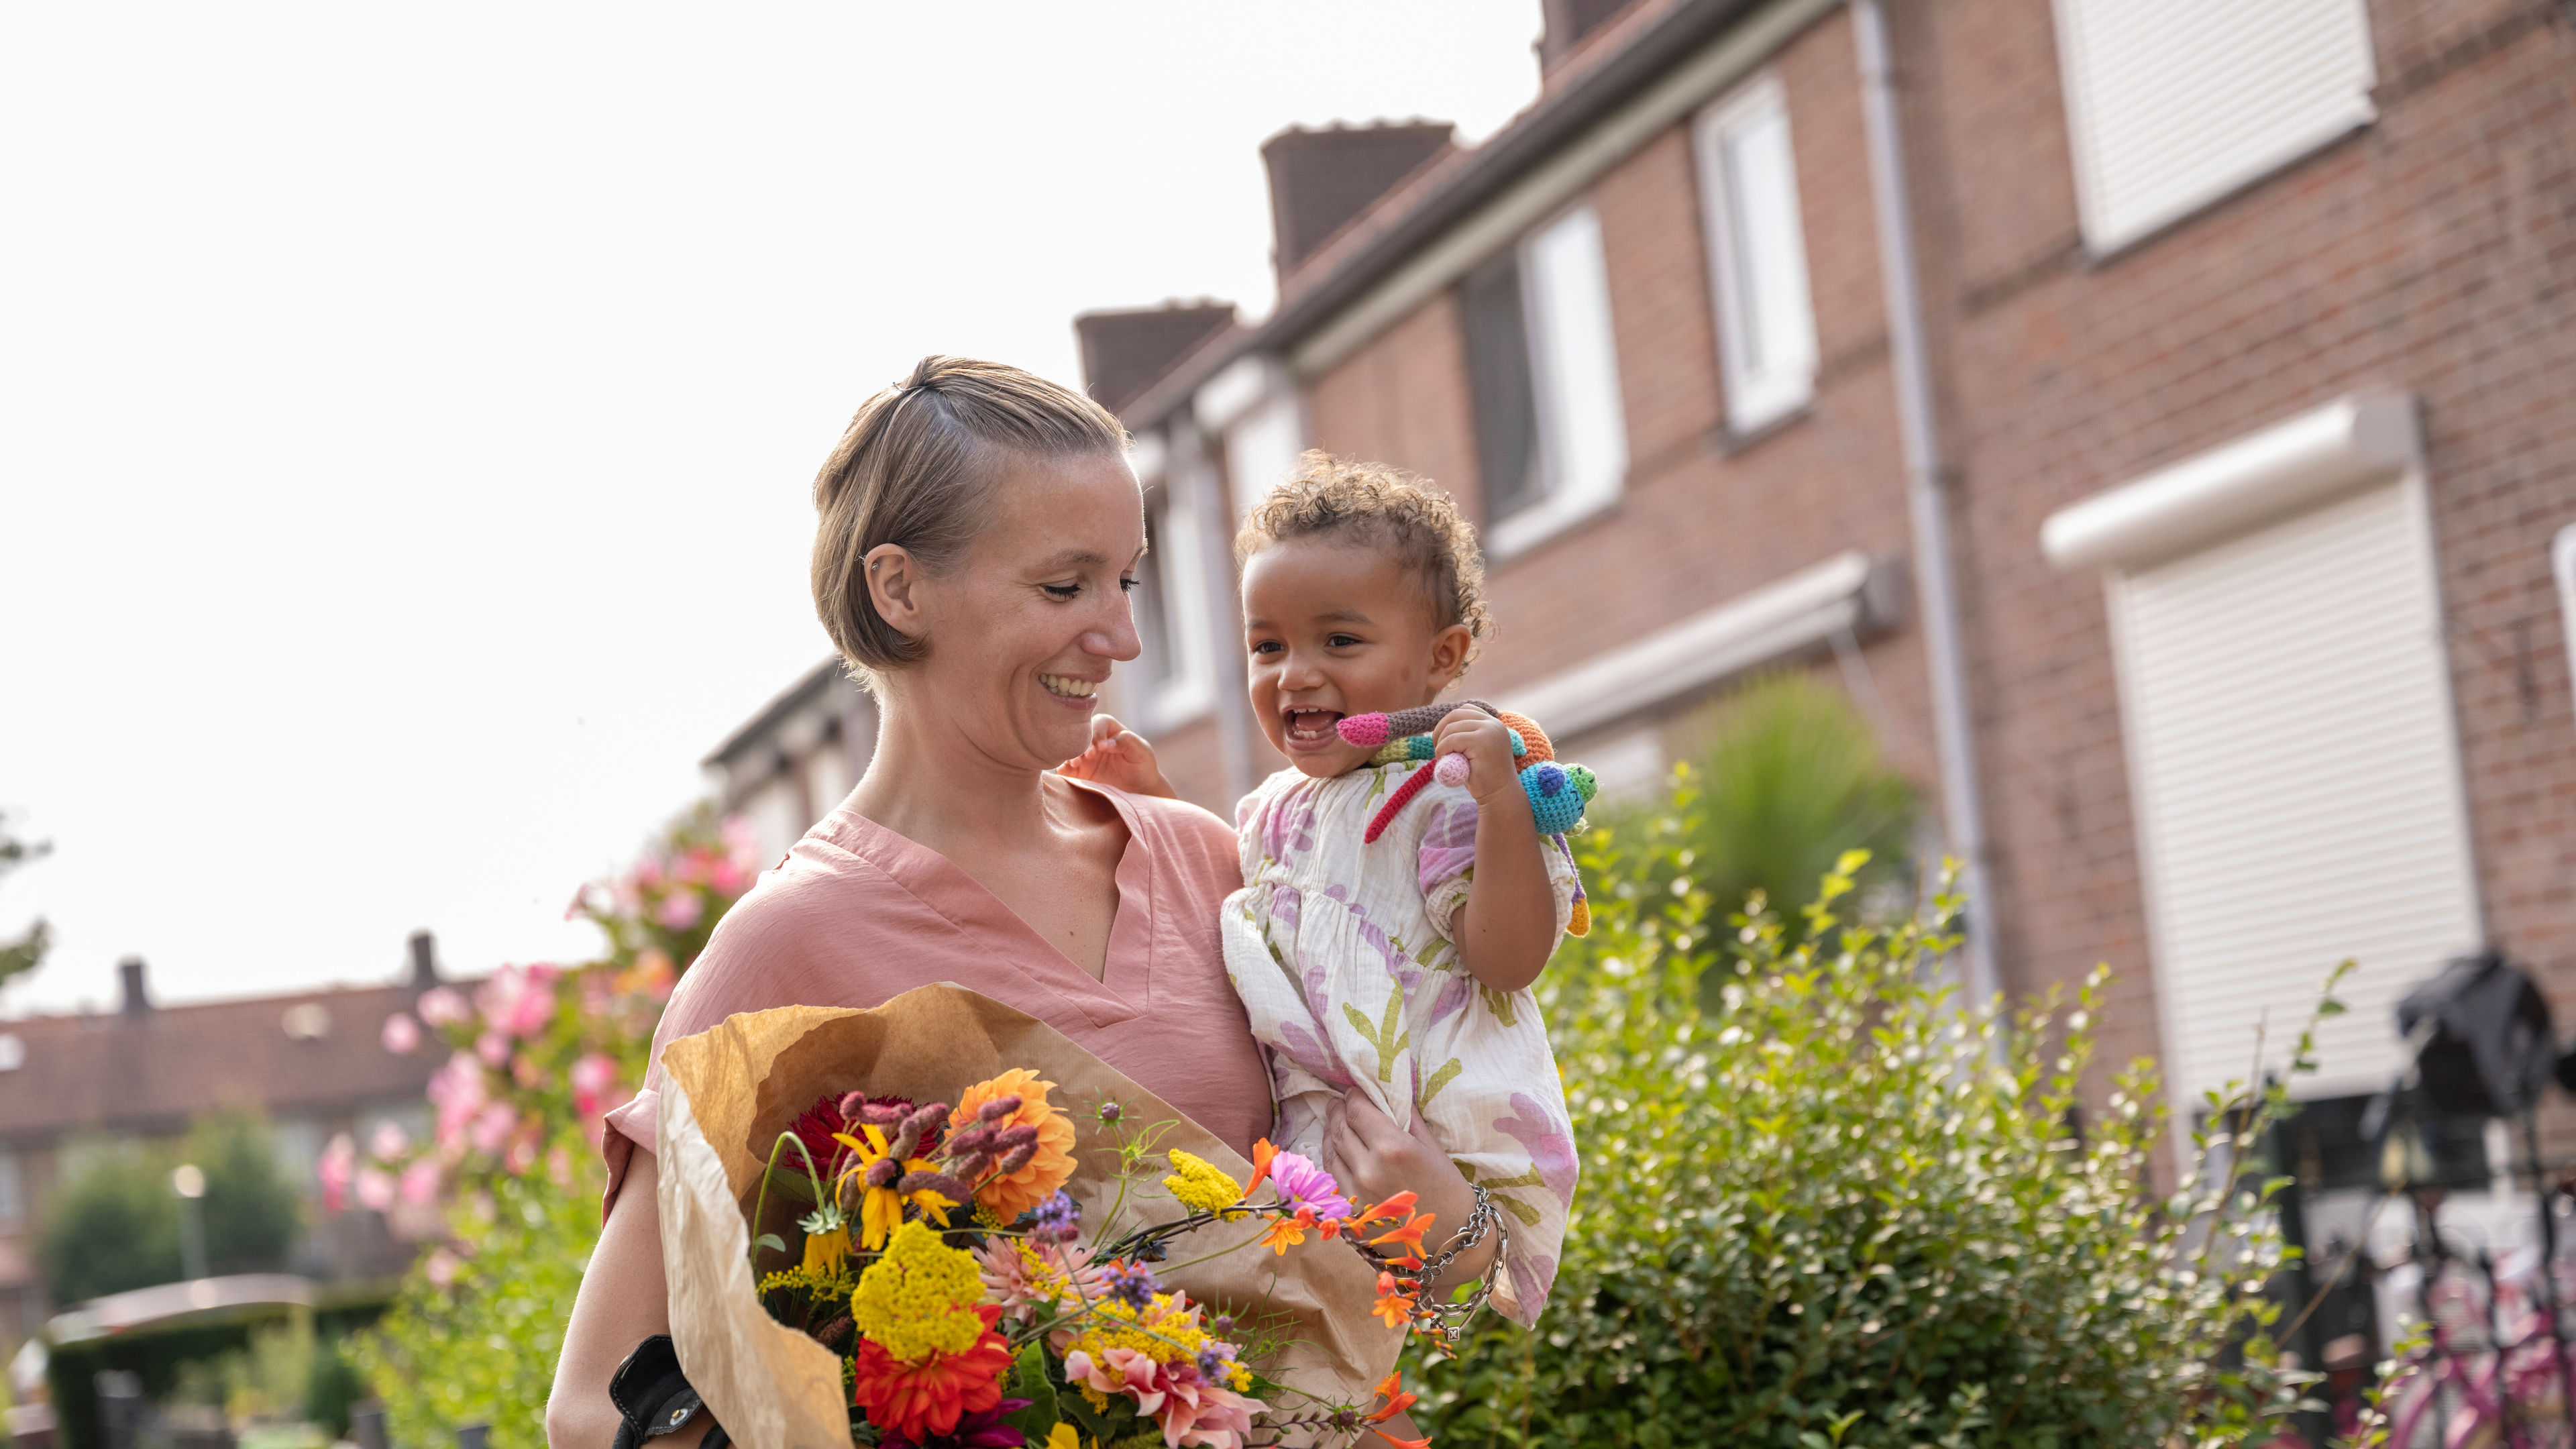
x: 406, y: 413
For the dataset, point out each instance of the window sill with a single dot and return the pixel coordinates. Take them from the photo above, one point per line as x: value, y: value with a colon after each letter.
x: 1526, y: 530
x: 1732, y: 440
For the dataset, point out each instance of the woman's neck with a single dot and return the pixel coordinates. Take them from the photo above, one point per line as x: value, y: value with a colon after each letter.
x: 933, y: 786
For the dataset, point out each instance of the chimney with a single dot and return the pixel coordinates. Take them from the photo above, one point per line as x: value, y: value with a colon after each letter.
x: 136, y: 1005
x: 424, y: 960
x: 1125, y: 353
x: 1568, y: 23
x: 1320, y: 181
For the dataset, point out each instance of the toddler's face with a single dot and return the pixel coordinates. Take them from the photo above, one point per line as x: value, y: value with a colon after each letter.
x: 1336, y: 628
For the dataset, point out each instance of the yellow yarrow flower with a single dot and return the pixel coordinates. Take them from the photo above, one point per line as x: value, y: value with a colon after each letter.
x: 1201, y: 1185
x: 919, y: 1298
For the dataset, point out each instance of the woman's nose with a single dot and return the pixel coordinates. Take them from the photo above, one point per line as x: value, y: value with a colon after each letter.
x: 1115, y: 635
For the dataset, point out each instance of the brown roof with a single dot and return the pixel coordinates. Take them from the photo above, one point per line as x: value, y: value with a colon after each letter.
x: 152, y: 1072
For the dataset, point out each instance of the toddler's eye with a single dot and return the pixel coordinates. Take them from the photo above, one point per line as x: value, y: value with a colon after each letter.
x: 1266, y: 646
x: 1341, y: 641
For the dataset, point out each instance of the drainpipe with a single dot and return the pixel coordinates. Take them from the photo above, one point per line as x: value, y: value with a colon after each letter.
x: 1926, y: 495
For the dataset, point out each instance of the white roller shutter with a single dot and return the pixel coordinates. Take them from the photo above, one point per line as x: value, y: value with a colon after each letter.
x: 2296, y: 780
x: 2173, y: 103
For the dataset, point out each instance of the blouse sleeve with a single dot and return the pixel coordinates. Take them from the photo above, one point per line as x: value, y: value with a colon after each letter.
x: 1446, y: 860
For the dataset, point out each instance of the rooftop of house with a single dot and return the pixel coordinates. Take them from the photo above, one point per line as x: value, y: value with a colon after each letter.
x: 149, y: 1070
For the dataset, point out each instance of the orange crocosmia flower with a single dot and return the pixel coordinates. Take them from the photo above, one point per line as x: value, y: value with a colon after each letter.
x: 1392, y: 1304
x: 927, y: 1397
x: 1421, y: 1443
x: 1391, y: 1389
x: 1283, y: 1234
x: 1393, y: 1208
x: 1410, y: 1234
x: 1262, y: 1152
x: 1051, y: 1168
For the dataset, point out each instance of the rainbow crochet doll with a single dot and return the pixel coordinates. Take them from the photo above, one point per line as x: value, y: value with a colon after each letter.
x: 1557, y: 793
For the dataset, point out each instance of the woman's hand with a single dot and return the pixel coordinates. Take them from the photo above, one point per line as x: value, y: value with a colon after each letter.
x: 1119, y: 758
x: 1374, y: 1159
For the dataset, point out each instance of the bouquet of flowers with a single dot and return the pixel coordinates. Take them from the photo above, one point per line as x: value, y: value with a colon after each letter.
x: 963, y: 1230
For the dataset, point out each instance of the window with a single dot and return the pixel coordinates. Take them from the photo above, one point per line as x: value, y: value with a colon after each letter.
x: 13, y: 1194
x: 2562, y: 562
x: 1543, y: 373
x: 1175, y: 668
x: 1757, y: 255
x: 2277, y: 627
x: 2173, y: 105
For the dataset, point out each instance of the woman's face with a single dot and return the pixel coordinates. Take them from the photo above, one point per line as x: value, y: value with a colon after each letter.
x: 1023, y: 632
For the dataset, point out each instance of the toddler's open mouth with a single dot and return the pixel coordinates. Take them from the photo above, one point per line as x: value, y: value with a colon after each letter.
x: 1311, y: 729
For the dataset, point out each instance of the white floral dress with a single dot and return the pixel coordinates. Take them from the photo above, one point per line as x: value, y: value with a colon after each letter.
x: 1341, y: 953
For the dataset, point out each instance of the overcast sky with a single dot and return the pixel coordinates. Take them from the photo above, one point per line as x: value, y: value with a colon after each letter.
x: 406, y: 413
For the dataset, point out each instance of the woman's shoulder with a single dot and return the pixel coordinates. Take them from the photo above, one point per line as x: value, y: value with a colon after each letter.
x: 1179, y: 826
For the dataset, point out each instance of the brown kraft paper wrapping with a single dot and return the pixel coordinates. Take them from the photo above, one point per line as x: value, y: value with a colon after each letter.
x: 731, y: 1089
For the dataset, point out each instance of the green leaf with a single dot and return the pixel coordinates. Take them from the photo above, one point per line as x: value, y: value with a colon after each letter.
x: 1030, y: 1381
x: 771, y: 1241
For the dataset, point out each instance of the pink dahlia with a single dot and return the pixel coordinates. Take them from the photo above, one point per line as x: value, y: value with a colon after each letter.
x: 1190, y: 1410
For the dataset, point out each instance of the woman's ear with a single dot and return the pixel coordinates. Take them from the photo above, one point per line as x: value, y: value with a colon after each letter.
x: 1450, y: 649
x: 894, y: 583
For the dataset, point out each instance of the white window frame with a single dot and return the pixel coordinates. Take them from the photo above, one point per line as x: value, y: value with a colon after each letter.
x: 2562, y: 562
x: 1568, y: 353
x: 1758, y: 393
x: 1187, y: 689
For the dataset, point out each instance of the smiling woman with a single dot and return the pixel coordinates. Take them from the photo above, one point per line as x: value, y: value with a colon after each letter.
x: 979, y: 528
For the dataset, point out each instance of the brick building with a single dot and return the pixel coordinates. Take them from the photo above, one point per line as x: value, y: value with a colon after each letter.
x: 2157, y: 415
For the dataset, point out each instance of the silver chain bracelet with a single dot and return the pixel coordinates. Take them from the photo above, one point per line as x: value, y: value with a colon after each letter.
x: 1448, y: 1318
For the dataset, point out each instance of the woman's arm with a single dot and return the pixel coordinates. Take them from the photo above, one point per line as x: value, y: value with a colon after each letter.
x: 623, y: 1301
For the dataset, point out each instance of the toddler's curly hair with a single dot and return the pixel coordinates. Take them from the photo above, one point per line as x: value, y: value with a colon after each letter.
x: 1382, y: 507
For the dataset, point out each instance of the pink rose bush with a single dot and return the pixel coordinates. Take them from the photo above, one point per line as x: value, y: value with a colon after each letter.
x: 506, y: 1183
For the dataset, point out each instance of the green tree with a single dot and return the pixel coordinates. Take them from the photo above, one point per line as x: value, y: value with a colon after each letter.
x: 26, y: 951
x: 115, y: 1225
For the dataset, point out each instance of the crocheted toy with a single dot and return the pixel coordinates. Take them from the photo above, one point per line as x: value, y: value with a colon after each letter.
x: 1557, y: 793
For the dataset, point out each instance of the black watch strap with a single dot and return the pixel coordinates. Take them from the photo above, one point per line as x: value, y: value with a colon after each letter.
x: 653, y: 1397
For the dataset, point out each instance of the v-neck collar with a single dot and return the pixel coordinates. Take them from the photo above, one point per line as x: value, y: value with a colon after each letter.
x: 1124, y: 987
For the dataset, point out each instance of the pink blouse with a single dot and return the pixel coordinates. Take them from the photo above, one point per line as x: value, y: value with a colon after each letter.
x: 857, y: 915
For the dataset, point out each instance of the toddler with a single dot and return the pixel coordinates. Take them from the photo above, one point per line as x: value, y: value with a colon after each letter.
x: 1397, y: 967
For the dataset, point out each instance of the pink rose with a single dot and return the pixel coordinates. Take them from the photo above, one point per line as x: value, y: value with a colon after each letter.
x: 493, y: 1126
x: 420, y: 1182
x: 680, y: 910
x: 441, y: 1006
x: 375, y: 1188
x: 593, y: 1077
x: 402, y: 1034
x: 388, y: 1141
x: 339, y: 1161
x: 441, y: 1268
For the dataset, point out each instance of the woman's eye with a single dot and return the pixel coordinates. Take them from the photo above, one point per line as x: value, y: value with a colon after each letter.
x: 1128, y: 585
x: 1062, y: 591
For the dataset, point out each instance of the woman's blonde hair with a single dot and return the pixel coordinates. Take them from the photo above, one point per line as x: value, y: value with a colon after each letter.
x: 1381, y: 507
x: 916, y: 468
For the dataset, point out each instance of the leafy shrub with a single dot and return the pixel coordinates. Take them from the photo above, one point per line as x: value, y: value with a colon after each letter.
x: 538, y: 1056
x: 1832, y: 1208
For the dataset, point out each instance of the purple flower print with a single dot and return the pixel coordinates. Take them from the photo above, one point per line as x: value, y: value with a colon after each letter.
x: 1449, y: 845
x: 1551, y: 1148
x: 1532, y: 1275
x: 1314, y: 1053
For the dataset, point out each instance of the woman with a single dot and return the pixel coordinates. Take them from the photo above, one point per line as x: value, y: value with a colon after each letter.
x: 979, y: 531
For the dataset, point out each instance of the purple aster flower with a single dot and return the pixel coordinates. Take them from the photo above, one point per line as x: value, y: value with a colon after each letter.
x: 1131, y: 1283
x: 983, y: 1429
x: 1058, y: 1217
x: 1302, y: 1184
x: 1215, y: 1361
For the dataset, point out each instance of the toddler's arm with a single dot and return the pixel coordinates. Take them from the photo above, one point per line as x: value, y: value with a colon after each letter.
x: 1507, y: 928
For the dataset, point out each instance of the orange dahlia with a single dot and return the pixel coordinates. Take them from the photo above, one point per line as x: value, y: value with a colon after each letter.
x: 1049, y: 1168
x: 930, y: 1395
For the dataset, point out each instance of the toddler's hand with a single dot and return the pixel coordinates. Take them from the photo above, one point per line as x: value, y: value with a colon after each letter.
x: 1487, y: 743
x: 1119, y: 758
